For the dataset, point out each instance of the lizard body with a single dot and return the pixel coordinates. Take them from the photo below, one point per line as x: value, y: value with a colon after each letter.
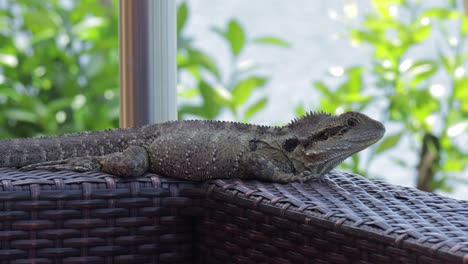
x: 307, y: 148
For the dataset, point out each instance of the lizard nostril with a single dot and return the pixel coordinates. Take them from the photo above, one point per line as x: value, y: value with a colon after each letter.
x: 379, y: 125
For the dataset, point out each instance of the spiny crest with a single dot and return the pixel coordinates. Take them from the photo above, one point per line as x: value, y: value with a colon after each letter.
x: 220, y: 124
x: 310, y: 118
x: 239, y: 125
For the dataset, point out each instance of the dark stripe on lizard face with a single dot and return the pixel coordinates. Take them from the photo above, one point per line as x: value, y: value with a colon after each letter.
x: 253, y: 144
x: 290, y: 144
x: 326, y: 134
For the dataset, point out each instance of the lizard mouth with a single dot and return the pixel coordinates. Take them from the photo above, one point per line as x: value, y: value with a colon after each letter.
x: 367, y: 139
x: 348, y: 146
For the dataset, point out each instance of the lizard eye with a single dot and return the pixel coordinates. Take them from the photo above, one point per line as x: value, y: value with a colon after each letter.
x: 352, y: 122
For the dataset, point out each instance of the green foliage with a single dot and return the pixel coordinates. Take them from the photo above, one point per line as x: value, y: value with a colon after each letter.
x: 219, y: 93
x: 389, y: 142
x: 414, y: 104
x: 272, y: 40
x: 234, y: 34
x: 58, y: 67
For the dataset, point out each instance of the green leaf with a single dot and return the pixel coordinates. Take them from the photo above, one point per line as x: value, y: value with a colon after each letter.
x: 328, y: 105
x: 382, y: 6
x: 234, y: 34
x: 41, y: 20
x: 21, y: 115
x: 452, y: 165
x: 448, y: 62
x: 460, y: 89
x: 422, y: 105
x: 422, y: 70
x: 354, y: 83
x: 389, y: 142
x: 464, y: 25
x: 236, y: 37
x: 243, y: 89
x: 355, y: 165
x: 272, y: 40
x: 188, y: 93
x: 442, y: 13
x: 454, y: 162
x: 356, y: 98
x: 192, y: 110
x: 9, y: 93
x: 420, y: 32
x: 59, y: 104
x: 300, y: 110
x: 256, y: 107
x: 210, y: 108
x: 182, y: 15
x: 222, y: 96
x: 323, y: 88
x: 197, y: 58
x: 360, y: 36
x: 88, y: 28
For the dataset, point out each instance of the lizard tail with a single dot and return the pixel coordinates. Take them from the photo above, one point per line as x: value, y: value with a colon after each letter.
x: 25, y: 151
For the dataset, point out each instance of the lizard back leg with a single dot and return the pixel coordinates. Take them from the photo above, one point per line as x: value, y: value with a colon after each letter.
x: 133, y: 161
x: 79, y: 164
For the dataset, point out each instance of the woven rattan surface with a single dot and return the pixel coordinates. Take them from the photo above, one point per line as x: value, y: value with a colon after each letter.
x: 347, y: 218
x: 67, y: 217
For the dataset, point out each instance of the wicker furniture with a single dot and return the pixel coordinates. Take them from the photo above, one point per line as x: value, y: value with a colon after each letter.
x: 66, y: 217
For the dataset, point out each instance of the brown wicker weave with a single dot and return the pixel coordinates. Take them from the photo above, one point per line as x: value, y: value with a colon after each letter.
x: 347, y: 219
x: 66, y: 217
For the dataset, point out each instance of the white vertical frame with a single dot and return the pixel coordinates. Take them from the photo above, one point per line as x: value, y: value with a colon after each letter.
x: 163, y: 59
x: 148, y: 69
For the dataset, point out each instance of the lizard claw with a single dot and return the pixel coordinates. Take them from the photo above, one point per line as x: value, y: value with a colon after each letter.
x: 307, y: 176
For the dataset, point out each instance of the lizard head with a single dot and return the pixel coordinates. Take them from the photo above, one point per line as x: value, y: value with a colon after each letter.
x: 323, y: 141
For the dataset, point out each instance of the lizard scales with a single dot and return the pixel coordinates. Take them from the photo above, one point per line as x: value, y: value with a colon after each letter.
x: 307, y: 148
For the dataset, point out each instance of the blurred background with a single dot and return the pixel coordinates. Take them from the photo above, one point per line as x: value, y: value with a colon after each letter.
x: 403, y: 62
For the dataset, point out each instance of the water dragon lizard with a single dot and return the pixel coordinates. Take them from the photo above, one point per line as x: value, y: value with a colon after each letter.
x: 305, y: 149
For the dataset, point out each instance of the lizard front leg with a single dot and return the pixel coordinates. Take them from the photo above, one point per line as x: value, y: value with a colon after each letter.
x: 308, y: 176
x: 261, y: 168
x: 133, y: 161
